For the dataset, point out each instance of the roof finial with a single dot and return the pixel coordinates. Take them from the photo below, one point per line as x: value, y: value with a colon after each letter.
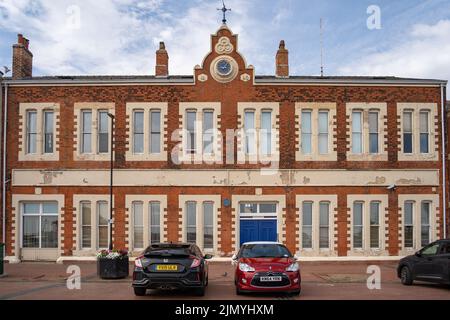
x: 224, y: 9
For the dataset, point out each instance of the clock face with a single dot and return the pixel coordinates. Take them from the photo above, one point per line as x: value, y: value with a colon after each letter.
x: 224, y: 67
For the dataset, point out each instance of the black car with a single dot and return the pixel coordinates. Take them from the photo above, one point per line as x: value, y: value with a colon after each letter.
x: 431, y: 264
x: 169, y: 267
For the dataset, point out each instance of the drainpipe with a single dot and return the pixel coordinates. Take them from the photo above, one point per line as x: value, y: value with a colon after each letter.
x: 444, y: 159
x: 5, y: 115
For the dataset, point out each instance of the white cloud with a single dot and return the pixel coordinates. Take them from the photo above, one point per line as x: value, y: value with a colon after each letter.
x: 118, y: 36
x: 424, y: 54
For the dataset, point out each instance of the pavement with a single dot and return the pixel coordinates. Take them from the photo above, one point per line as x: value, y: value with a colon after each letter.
x: 321, y: 281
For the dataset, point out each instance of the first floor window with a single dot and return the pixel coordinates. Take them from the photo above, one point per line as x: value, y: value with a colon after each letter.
x: 86, y: 132
x: 138, y: 221
x: 103, y: 135
x: 424, y: 132
x: 358, y: 225
x: 249, y: 128
x: 155, y: 132
x: 138, y: 132
x: 48, y: 131
x: 191, y: 222
x: 307, y: 225
x: 407, y: 132
x: 31, y: 132
x: 208, y: 225
x: 208, y: 132
x: 324, y: 225
x: 86, y: 225
x: 374, y: 224
x: 357, y: 132
x: 323, y: 132
x: 425, y: 223
x: 266, y: 133
x: 40, y: 225
x: 306, y: 132
x: 408, y: 224
x: 155, y: 222
x: 373, y: 132
x: 191, y: 118
x: 103, y: 224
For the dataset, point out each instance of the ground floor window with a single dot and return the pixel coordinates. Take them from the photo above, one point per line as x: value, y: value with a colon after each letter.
x: 40, y: 225
x: 103, y: 224
x: 155, y: 222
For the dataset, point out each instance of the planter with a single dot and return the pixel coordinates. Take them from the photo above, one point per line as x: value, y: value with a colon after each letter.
x: 113, y: 268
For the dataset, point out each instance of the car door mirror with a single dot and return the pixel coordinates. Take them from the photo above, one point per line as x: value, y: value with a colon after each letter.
x: 418, y: 254
x: 208, y: 256
x: 234, y: 259
x: 296, y: 258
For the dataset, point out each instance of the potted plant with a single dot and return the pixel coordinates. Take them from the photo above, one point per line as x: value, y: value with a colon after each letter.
x: 113, y: 264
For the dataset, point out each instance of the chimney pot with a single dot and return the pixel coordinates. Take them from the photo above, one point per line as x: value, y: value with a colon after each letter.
x: 282, y: 61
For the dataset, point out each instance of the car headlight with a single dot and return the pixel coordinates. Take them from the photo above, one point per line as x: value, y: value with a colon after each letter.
x: 246, y: 268
x: 293, y: 267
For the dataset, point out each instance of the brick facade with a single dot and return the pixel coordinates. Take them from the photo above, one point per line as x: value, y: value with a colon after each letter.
x: 243, y: 88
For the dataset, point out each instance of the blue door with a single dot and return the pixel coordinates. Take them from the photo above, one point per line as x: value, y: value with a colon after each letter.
x: 258, y: 230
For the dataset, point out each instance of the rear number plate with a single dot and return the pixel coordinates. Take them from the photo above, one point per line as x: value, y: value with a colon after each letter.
x: 166, y: 268
x: 270, y: 279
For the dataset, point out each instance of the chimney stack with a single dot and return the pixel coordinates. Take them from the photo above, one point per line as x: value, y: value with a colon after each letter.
x: 162, y: 61
x: 282, y: 61
x: 22, y: 59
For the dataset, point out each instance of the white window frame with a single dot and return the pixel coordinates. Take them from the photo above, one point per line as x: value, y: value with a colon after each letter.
x: 46, y: 134
x: 91, y: 226
x: 375, y: 225
x: 29, y: 133
x: 101, y: 131
x: 40, y: 154
x: 137, y: 112
x: 40, y: 215
x: 427, y: 132
x: 326, y: 133
x: 313, y: 110
x: 257, y: 157
x: 97, y: 212
x: 360, y: 133
x: 433, y: 131
x: 135, y: 225
x: 366, y: 109
x: 215, y: 200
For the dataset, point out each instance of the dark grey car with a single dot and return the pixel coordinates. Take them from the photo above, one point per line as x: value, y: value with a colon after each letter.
x: 431, y: 264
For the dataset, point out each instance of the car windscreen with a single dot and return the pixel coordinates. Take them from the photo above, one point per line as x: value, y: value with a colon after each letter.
x: 178, y: 251
x: 265, y: 251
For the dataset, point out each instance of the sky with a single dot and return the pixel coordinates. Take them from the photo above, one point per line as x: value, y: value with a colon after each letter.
x: 408, y: 38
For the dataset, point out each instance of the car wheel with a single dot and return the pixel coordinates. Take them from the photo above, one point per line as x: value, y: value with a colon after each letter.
x: 406, y: 277
x: 238, y: 291
x: 140, y: 292
x: 200, y: 291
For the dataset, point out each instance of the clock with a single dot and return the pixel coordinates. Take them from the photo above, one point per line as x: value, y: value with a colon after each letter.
x: 224, y: 67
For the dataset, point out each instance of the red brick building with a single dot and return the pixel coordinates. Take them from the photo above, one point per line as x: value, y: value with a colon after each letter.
x: 331, y: 166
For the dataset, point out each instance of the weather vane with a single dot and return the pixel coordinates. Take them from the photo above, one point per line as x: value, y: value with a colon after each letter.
x: 224, y: 9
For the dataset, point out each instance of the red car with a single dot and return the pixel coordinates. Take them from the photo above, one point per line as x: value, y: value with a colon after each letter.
x: 266, y: 267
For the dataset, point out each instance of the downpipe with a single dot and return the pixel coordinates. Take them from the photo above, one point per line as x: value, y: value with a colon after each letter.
x: 444, y: 159
x: 5, y: 115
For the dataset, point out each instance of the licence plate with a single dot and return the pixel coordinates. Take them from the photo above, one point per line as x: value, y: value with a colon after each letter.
x: 270, y: 279
x: 166, y: 267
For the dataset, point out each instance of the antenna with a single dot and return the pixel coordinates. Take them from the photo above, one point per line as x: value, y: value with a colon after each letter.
x: 321, y: 47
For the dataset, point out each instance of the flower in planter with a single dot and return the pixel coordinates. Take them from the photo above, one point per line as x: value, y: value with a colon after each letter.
x: 112, y: 254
